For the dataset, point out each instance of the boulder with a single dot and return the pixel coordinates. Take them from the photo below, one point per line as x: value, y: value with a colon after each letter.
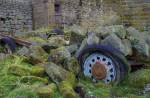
x: 74, y: 34
x: 82, y: 46
x: 92, y: 39
x: 55, y: 72
x: 127, y: 47
x: 59, y: 55
x: 138, y: 42
x: 115, y: 42
x: 72, y: 48
x: 119, y: 30
x: 73, y: 66
x: 24, y: 51
x: 37, y: 55
x: 46, y: 91
x: 18, y: 70
x: 56, y: 41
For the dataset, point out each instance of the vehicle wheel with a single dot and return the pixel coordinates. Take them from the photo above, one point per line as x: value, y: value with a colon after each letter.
x: 8, y: 44
x: 103, y: 63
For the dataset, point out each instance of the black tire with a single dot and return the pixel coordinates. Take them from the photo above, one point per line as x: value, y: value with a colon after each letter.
x: 10, y: 42
x: 121, y: 64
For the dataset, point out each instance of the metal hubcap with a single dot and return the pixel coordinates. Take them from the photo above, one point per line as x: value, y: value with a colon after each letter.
x: 99, y: 67
x: 99, y: 71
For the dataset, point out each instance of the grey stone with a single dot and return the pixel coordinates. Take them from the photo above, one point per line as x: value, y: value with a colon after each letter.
x: 127, y: 47
x: 24, y: 51
x: 114, y: 41
x: 82, y: 46
x: 37, y: 55
x: 138, y: 42
x: 92, y: 39
x: 72, y: 48
x: 59, y: 55
x: 55, y: 72
x: 119, y: 30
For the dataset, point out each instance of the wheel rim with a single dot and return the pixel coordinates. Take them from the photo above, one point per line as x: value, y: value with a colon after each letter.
x: 99, y: 67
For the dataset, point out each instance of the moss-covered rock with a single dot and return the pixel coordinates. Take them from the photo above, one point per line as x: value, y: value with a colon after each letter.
x: 73, y: 66
x: 67, y: 90
x: 22, y: 92
x: 33, y: 80
x: 37, y: 55
x: 75, y: 34
x: 46, y: 91
x: 139, y: 78
x: 37, y: 71
x: 71, y: 78
x: 18, y: 70
x: 37, y: 40
x: 59, y: 55
x: 56, y: 73
x: 57, y: 41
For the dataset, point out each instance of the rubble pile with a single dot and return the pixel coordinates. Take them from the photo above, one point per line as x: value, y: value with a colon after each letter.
x: 49, y: 68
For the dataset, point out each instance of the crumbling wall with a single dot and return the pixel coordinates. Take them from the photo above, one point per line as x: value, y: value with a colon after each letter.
x: 136, y: 13
x: 15, y: 15
x: 91, y: 14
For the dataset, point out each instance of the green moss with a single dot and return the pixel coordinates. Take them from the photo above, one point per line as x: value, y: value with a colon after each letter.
x: 18, y: 70
x: 37, y: 71
x: 33, y: 79
x: 37, y: 55
x: 67, y: 90
x: 22, y: 92
x: 37, y: 40
x: 98, y: 90
x: 121, y: 91
x: 71, y: 78
x: 139, y: 78
x: 46, y: 91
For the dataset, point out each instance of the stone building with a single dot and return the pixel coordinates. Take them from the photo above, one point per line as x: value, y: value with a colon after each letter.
x: 25, y: 15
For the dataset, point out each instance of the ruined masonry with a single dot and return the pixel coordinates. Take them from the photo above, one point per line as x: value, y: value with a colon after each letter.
x: 26, y: 15
x: 15, y: 15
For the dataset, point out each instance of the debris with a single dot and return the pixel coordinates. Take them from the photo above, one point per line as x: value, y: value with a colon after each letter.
x: 59, y: 55
x: 114, y: 41
x: 37, y: 55
x: 138, y: 42
x: 55, y: 72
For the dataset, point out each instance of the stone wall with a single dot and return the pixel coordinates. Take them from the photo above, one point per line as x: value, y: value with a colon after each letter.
x: 15, y: 15
x: 24, y: 15
x: 136, y: 13
x: 91, y: 14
